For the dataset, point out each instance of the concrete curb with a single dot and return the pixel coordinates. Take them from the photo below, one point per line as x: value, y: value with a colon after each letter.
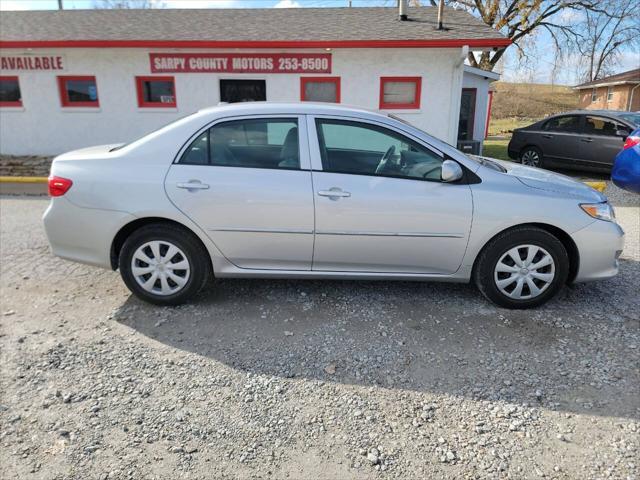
x: 23, y: 179
x: 600, y: 186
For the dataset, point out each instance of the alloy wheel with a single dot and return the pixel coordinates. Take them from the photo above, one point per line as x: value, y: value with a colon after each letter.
x: 160, y: 267
x: 524, y: 272
x: 531, y: 158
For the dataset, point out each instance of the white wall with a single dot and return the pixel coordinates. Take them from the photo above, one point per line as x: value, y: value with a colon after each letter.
x: 43, y: 127
x: 482, y: 102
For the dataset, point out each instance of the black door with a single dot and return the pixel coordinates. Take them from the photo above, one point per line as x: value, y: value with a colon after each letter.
x: 233, y: 91
x: 467, y: 114
x: 559, y: 140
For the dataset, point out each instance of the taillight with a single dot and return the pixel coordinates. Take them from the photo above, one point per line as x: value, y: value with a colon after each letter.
x: 631, y: 142
x: 58, y: 186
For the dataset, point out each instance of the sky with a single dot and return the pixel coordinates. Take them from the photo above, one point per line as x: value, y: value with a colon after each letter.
x: 541, y: 67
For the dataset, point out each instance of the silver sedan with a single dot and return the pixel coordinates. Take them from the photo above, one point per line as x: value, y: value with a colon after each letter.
x: 322, y: 191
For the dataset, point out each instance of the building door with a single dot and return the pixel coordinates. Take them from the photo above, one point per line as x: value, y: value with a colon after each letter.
x: 467, y: 114
x: 233, y: 91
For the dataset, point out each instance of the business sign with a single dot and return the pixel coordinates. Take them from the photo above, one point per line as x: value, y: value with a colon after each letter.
x: 240, y: 62
x: 31, y: 62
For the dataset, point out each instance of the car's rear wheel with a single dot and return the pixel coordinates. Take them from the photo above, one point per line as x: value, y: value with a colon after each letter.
x: 164, y: 264
x: 522, y: 268
x: 532, y: 157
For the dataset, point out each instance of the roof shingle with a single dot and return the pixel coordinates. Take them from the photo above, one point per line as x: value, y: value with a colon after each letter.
x: 631, y: 76
x: 257, y: 25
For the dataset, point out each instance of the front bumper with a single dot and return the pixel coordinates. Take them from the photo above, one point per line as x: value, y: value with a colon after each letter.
x: 599, y: 245
x: 82, y: 234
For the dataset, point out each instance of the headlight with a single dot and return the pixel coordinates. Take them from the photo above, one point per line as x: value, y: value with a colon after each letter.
x: 601, y: 211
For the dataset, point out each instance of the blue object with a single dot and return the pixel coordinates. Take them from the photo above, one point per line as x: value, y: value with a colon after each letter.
x: 626, y: 167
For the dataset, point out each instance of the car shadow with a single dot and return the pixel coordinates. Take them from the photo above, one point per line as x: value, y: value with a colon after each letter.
x: 575, y: 354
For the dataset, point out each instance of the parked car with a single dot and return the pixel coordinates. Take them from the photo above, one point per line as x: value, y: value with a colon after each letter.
x: 580, y: 140
x: 322, y: 191
x: 626, y: 169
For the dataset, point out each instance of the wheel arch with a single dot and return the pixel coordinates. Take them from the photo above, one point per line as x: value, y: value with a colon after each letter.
x: 129, y: 228
x: 566, y: 240
x: 529, y: 145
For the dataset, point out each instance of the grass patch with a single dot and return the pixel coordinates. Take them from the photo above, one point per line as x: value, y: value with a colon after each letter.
x: 504, y: 126
x: 496, y: 149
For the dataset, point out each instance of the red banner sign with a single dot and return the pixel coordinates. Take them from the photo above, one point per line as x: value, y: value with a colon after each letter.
x: 31, y: 62
x: 240, y: 62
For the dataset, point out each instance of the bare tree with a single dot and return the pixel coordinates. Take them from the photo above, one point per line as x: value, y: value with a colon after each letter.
x: 602, y: 36
x: 520, y: 19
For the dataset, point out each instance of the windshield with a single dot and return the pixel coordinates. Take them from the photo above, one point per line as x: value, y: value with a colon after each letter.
x: 633, y: 118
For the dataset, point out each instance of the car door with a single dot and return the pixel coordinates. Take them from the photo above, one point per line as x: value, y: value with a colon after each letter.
x: 375, y: 216
x: 247, y: 183
x: 559, y: 140
x: 600, y: 142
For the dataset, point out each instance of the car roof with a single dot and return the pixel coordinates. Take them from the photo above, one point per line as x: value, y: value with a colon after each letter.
x: 610, y: 113
x: 302, y: 108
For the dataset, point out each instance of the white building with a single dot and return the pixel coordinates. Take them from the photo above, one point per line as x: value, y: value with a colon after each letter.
x: 75, y: 78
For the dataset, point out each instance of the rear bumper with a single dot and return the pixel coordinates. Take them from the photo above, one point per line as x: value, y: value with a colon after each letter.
x: 599, y: 245
x: 82, y: 234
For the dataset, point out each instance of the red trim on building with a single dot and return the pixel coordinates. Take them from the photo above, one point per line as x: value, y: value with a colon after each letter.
x: 486, y: 127
x: 64, y: 98
x: 442, y: 43
x: 11, y: 78
x: 305, y: 80
x: 140, y: 92
x: 415, y: 104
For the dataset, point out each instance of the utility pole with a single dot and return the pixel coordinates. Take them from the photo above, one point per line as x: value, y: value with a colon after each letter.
x: 60, y: 7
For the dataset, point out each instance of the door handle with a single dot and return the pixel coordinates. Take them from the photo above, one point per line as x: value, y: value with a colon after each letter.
x: 547, y: 136
x: 586, y: 140
x: 193, y: 185
x: 334, y: 193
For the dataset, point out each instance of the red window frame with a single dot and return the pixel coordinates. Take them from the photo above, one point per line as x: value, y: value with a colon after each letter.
x: 415, y: 104
x: 11, y: 104
x: 140, y: 91
x: 305, y: 80
x: 64, y: 98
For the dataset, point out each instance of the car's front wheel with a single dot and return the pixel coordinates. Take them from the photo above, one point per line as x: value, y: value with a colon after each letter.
x: 532, y: 157
x: 522, y: 268
x: 164, y: 264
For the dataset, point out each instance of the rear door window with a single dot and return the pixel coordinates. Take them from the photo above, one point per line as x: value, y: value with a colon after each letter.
x: 250, y: 143
x: 569, y: 123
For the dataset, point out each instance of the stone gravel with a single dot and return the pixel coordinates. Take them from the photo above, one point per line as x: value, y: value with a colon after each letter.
x: 311, y: 379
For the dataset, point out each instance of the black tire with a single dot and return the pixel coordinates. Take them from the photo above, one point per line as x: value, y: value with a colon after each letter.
x: 199, y: 261
x: 531, y: 156
x: 492, y: 252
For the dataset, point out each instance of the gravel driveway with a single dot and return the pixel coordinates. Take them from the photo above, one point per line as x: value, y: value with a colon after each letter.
x: 310, y: 379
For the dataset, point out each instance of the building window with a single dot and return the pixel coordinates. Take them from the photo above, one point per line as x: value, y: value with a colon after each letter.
x: 400, y: 92
x: 233, y: 91
x: 78, y: 91
x: 154, y: 92
x: 609, y: 94
x: 594, y: 95
x: 10, y: 92
x: 320, y: 89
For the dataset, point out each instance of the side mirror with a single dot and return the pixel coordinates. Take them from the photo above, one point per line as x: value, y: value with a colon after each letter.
x: 451, y: 171
x: 622, y: 133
